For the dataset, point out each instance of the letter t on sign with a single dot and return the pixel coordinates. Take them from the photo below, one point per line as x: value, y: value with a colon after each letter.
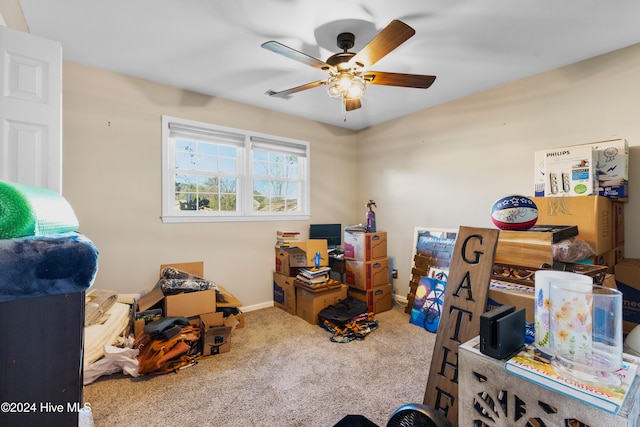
x: 465, y: 300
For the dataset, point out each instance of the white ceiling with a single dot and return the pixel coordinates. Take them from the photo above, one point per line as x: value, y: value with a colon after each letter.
x: 213, y: 46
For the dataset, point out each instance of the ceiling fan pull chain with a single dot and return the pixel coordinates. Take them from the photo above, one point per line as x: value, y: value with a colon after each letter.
x: 344, y: 109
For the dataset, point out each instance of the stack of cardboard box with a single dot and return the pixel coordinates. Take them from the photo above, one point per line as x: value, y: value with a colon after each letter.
x: 289, y: 294
x: 598, y: 212
x: 215, y: 312
x: 367, y: 270
x: 583, y: 186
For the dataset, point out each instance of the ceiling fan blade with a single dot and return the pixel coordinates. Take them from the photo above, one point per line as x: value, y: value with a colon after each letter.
x: 352, y: 104
x: 392, y: 36
x: 399, y: 79
x: 286, y: 93
x: 296, y: 55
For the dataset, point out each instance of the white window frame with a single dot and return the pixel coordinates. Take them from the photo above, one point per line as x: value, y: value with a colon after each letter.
x: 245, y: 141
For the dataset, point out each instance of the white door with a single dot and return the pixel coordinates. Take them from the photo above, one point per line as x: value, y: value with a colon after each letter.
x: 30, y: 109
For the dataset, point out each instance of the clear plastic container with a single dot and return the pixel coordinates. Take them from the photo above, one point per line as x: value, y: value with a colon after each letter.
x: 585, y: 331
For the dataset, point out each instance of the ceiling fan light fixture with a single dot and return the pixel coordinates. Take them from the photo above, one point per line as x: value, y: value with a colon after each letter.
x: 346, y: 85
x: 347, y: 80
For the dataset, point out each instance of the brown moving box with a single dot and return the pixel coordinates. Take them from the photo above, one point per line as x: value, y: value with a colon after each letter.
x: 367, y: 274
x: 224, y: 298
x: 519, y: 296
x: 592, y: 214
x: 378, y: 298
x: 284, y: 293
x: 309, y: 304
x: 618, y: 224
x: 190, y: 303
x: 216, y: 333
x: 365, y: 246
x: 289, y: 260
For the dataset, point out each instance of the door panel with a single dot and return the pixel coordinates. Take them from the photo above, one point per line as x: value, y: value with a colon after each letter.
x: 30, y: 109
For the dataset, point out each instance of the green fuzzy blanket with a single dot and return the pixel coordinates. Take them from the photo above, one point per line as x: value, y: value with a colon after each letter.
x: 32, y: 211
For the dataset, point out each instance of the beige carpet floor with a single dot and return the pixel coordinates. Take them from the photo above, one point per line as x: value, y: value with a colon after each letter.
x: 281, y: 371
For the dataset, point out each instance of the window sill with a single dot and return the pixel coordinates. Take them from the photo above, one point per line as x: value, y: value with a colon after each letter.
x: 171, y: 219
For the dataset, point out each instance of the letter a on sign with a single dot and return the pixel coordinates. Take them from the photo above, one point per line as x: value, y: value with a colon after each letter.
x: 465, y: 300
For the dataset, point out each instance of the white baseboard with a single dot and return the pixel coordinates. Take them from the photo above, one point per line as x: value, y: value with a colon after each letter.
x: 400, y: 299
x: 254, y: 307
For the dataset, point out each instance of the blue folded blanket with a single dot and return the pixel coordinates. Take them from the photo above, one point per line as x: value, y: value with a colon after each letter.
x: 46, y: 265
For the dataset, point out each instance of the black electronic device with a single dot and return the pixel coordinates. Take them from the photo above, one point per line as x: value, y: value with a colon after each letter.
x: 332, y: 233
x: 502, y: 331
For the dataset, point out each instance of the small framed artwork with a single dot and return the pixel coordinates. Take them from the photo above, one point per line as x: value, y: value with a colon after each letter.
x: 432, y: 252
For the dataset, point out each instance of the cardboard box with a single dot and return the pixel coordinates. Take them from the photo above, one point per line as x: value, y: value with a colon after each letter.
x: 190, y: 303
x: 284, y: 293
x: 235, y: 311
x: 312, y: 248
x: 613, y: 158
x: 224, y: 298
x: 196, y: 268
x: 216, y: 333
x: 378, y: 298
x: 362, y: 246
x: 618, y: 224
x: 618, y: 254
x: 627, y: 274
x: 288, y: 260
x: 592, y: 214
x: 570, y: 171
x: 309, y: 304
x: 539, y: 176
x: 367, y: 274
x: 150, y: 299
x: 611, y: 168
x: 519, y: 296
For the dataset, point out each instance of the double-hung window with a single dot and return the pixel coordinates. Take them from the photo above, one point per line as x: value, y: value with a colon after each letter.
x: 213, y: 173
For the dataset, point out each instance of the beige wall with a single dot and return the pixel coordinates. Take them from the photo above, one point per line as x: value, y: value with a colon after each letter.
x: 111, y: 173
x: 445, y: 166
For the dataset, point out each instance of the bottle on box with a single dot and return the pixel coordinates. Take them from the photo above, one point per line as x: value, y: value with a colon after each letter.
x: 371, y: 217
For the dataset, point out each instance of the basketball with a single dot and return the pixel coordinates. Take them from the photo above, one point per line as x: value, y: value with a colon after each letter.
x: 515, y: 212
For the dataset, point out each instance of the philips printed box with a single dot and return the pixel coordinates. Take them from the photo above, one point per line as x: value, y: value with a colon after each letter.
x: 611, y: 168
x: 570, y: 171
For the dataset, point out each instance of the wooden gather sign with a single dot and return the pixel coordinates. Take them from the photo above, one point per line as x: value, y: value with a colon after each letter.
x: 465, y: 300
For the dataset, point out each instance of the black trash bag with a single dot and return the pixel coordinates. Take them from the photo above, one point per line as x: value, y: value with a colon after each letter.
x: 343, y: 311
